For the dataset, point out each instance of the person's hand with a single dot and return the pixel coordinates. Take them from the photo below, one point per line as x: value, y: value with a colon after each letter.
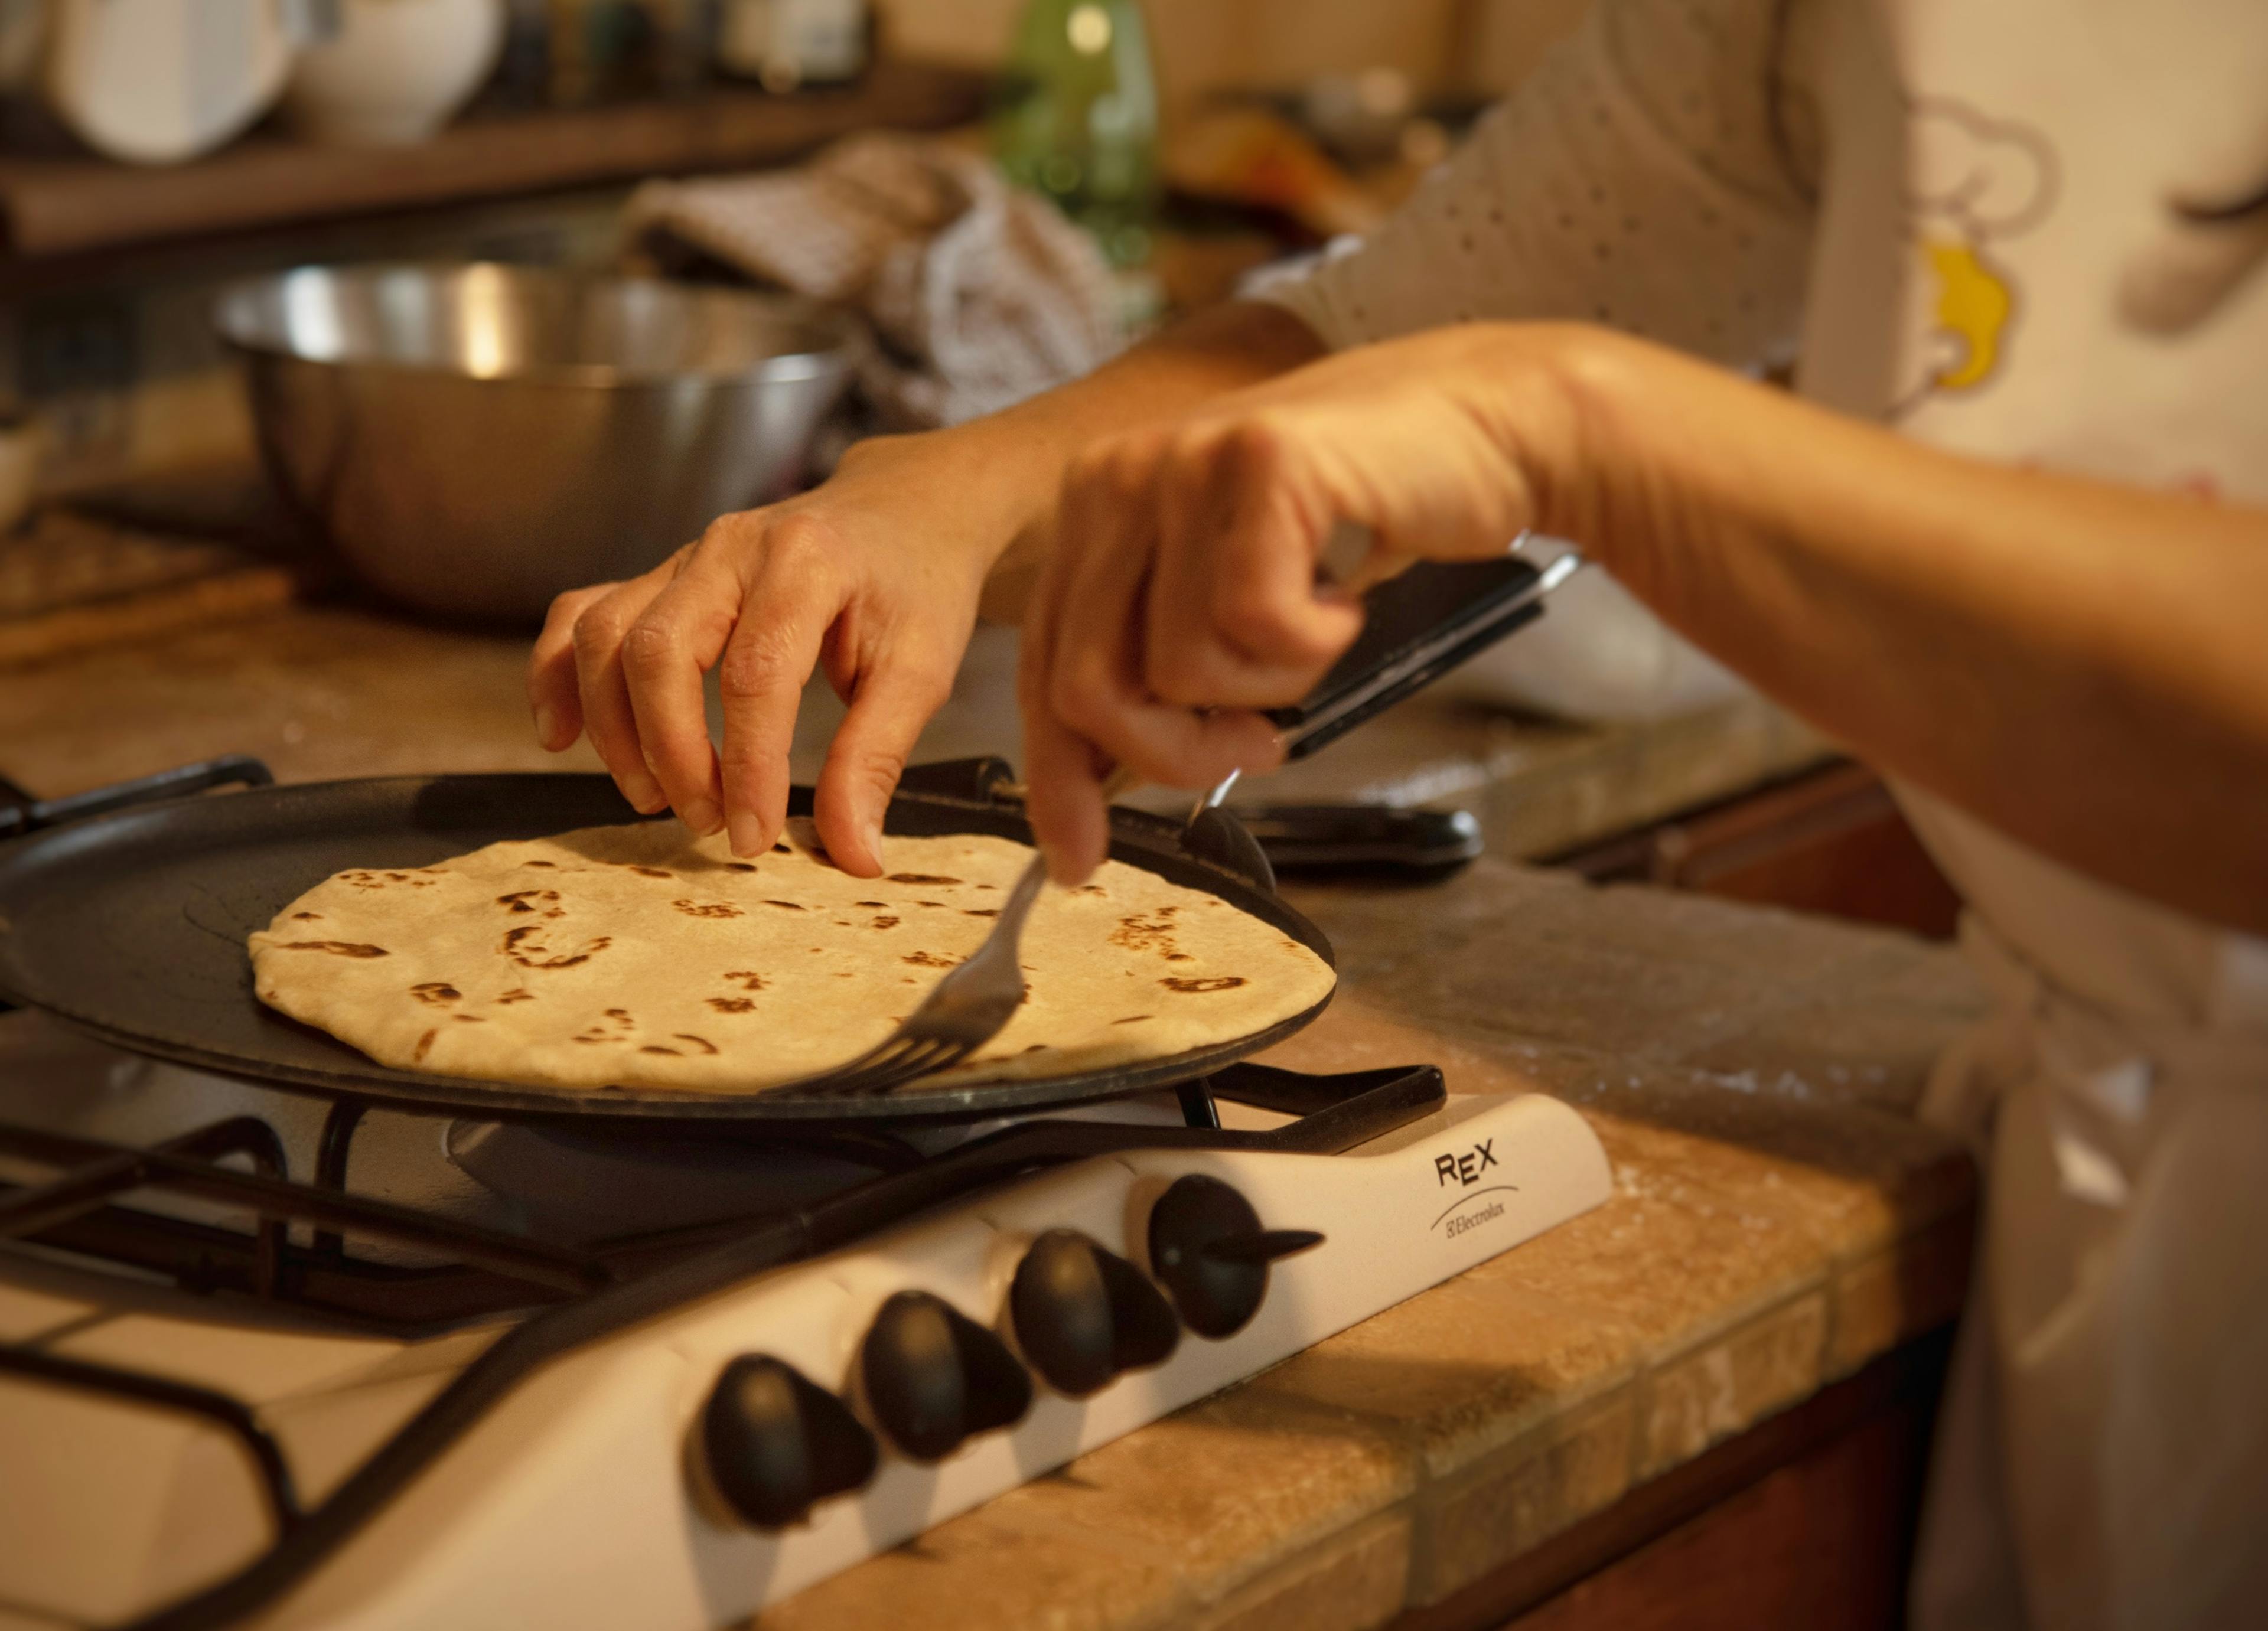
x: 1179, y: 596
x: 876, y: 575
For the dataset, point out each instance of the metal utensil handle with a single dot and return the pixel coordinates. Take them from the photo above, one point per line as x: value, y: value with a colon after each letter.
x: 20, y: 812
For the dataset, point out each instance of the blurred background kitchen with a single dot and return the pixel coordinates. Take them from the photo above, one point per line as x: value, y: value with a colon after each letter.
x: 319, y: 375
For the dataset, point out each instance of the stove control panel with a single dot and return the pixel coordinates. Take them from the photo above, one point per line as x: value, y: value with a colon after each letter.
x: 744, y: 1447
x: 933, y: 1377
x: 1084, y: 1316
x: 1207, y: 1244
x: 930, y: 1378
x: 773, y: 1441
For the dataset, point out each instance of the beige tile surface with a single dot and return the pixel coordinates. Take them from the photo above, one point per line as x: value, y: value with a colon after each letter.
x: 1356, y: 1578
x: 1724, y: 1384
x: 986, y: 1572
x: 1302, y: 1473
x: 1572, y: 1464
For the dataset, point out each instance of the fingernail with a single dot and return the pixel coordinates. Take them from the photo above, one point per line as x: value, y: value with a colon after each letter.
x: 645, y: 794
x: 746, y: 834
x: 547, y: 723
x: 701, y: 817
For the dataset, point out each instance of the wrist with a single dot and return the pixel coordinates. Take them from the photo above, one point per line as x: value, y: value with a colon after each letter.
x: 976, y: 488
x: 1608, y: 446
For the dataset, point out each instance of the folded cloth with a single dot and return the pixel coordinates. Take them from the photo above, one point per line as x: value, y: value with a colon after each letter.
x: 979, y: 294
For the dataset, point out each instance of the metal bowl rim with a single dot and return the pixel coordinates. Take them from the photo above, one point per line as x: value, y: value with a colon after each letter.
x: 782, y: 368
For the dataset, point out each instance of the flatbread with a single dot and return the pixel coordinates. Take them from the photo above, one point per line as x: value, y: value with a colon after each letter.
x: 641, y: 956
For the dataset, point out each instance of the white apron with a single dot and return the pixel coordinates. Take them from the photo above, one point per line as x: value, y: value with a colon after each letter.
x: 2000, y: 178
x: 2102, y: 1460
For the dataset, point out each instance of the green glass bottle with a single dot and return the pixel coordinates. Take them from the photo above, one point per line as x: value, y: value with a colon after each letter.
x: 1076, y: 118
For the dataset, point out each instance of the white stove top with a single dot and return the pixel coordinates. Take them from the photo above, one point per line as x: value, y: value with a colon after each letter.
x: 661, y: 1476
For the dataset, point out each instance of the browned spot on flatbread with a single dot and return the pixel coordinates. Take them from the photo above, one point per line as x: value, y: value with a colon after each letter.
x: 739, y: 866
x: 1153, y: 933
x: 885, y: 922
x: 518, y: 994
x: 921, y: 877
x: 731, y: 1004
x: 980, y: 911
x: 436, y: 994
x: 468, y: 1019
x: 651, y: 1048
x: 623, y: 1025
x: 782, y: 850
x: 650, y: 872
x: 1131, y: 1019
x: 1178, y: 956
x: 939, y: 905
x: 872, y: 906
x: 530, y: 953
x: 749, y: 979
x: 784, y: 906
x: 707, y: 908
x: 929, y: 959
x: 550, y: 863
x: 1037, y: 1047
x: 363, y: 877
x: 306, y: 917
x: 337, y: 948
x: 701, y: 1042
x: 1203, y: 982
x: 1090, y: 889
x: 424, y: 1046
x: 524, y: 900
x: 994, y: 888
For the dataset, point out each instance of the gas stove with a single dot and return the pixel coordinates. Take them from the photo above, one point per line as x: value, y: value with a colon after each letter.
x: 473, y: 1372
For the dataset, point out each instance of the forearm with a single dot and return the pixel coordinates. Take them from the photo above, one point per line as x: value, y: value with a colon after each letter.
x: 2077, y: 663
x: 1006, y: 468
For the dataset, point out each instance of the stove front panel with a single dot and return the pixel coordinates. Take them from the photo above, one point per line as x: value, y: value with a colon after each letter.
x: 581, y: 1501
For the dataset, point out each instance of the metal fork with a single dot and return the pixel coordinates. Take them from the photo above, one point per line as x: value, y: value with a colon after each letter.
x: 970, y: 1005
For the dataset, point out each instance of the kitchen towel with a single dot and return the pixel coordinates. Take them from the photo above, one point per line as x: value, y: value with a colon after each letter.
x: 977, y: 294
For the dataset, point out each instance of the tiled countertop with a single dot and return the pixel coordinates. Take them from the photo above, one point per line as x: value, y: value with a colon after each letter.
x: 1779, y: 1219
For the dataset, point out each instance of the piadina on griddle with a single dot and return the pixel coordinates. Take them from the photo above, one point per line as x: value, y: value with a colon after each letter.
x: 641, y: 956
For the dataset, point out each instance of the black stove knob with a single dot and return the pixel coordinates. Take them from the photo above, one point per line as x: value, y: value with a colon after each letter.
x: 935, y: 1377
x: 775, y: 1442
x: 1207, y: 1244
x: 1084, y: 1314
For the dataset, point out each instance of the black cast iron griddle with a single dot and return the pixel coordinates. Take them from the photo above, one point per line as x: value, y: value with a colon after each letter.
x: 131, y: 926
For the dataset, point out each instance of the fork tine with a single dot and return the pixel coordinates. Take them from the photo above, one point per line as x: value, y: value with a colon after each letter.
x: 921, y: 1058
x: 881, y: 1065
x: 900, y: 1060
x: 888, y: 1047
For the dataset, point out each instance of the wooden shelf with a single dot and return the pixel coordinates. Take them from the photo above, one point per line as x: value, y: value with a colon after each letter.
x: 71, y: 206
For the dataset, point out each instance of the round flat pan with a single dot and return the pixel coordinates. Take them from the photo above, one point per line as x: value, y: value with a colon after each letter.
x: 132, y: 927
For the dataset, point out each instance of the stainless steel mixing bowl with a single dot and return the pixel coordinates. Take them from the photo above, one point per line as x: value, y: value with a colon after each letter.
x: 475, y: 438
